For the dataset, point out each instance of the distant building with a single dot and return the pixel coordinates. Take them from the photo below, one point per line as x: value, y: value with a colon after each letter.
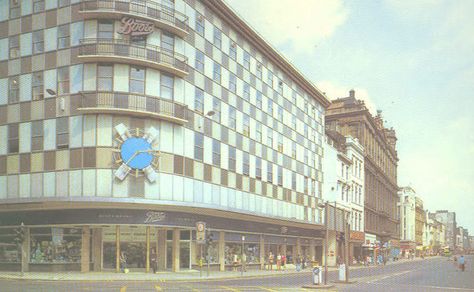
x: 407, y: 219
x: 449, y: 220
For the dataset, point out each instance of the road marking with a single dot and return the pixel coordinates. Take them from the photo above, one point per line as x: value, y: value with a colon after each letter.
x: 388, y: 276
x: 230, y: 288
x: 123, y: 289
x: 158, y: 288
x: 266, y: 289
x: 191, y: 288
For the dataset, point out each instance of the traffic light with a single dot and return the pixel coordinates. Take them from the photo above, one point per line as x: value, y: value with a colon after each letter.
x: 19, y: 235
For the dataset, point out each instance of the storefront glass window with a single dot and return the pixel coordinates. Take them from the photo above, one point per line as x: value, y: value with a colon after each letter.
x: 55, y: 245
x: 9, y: 251
x: 233, y: 252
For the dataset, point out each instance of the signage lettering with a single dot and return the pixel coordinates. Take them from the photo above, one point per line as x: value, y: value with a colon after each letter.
x: 135, y: 27
x: 154, y: 216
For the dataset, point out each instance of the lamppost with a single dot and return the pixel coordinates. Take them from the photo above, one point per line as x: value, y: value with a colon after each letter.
x: 242, y: 262
x: 326, y: 228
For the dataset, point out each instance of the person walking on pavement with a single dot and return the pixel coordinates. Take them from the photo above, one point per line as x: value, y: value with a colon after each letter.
x: 279, y: 262
x: 298, y: 263
x: 153, y: 259
x: 270, y: 260
x: 462, y: 263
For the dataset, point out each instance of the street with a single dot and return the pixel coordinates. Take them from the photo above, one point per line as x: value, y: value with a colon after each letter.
x: 431, y: 274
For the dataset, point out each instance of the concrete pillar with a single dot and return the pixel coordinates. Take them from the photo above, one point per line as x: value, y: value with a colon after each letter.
x: 221, y: 251
x: 117, y: 248
x: 312, y: 250
x: 175, y: 250
x: 147, y: 259
x: 97, y: 249
x: 262, y: 252
x: 283, y: 249
x: 25, y: 251
x: 85, y: 249
x: 161, y: 249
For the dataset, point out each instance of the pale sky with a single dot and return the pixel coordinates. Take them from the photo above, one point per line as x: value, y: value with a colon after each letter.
x: 412, y: 59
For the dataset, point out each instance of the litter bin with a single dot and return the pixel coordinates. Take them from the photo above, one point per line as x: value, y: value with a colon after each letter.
x: 317, y: 275
x: 342, y: 272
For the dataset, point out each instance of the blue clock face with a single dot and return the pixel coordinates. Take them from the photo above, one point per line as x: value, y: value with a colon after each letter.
x: 133, y: 153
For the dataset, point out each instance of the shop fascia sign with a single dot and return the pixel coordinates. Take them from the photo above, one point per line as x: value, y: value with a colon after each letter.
x: 135, y: 27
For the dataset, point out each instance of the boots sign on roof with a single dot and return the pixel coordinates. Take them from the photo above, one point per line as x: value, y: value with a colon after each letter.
x: 134, y: 27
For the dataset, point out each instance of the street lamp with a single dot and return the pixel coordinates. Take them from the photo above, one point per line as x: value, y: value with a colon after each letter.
x: 242, y: 257
x: 326, y: 227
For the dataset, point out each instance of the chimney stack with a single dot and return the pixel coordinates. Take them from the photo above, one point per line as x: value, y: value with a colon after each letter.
x: 352, y: 93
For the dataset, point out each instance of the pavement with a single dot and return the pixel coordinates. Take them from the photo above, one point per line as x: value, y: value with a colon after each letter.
x: 187, y: 275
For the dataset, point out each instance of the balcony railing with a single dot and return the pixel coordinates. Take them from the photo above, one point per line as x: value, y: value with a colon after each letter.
x: 163, y: 16
x: 131, y: 104
x: 125, y: 51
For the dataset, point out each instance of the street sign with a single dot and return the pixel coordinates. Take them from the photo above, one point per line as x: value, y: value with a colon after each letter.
x: 201, y: 232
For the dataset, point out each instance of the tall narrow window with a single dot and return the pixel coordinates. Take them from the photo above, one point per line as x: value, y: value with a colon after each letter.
x: 280, y: 87
x: 216, y: 107
x: 167, y: 87
x: 258, y: 168
x: 270, y: 78
x: 270, y: 107
x: 63, y: 80
x: 199, y: 63
x: 13, y: 89
x: 293, y: 150
x: 62, y: 132
x: 217, y: 37
x: 137, y: 80
x: 38, y: 6
x: 233, y: 50
x: 37, y: 86
x: 216, y: 153
x: 37, y: 134
x: 246, y: 125
x: 280, y: 143
x: 280, y: 113
x: 64, y: 36
x: 269, y: 172
x: 246, y: 60
x: 105, y: 75
x: 280, y: 175
x: 200, y: 24
x: 293, y: 181
x: 232, y: 83
x: 246, y: 95
x: 198, y: 146
x: 270, y: 137
x: 38, y: 42
x: 293, y: 97
x: 306, y: 156
x: 259, y: 70
x: 167, y: 43
x: 14, y: 44
x: 293, y: 122
x: 259, y: 132
x: 216, y: 72
x: 13, y: 138
x: 105, y: 29
x: 232, y: 118
x: 14, y: 8
x: 259, y: 100
x: 246, y: 164
x: 232, y: 158
x: 199, y: 101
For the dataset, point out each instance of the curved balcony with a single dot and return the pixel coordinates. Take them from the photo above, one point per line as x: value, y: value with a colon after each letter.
x: 123, y: 51
x: 114, y: 102
x: 162, y: 16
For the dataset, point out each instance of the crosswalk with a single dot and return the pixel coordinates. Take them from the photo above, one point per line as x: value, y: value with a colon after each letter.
x: 186, y: 288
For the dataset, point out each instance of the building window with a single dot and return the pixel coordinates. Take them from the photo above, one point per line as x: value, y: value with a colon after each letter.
x: 105, y: 77
x: 63, y: 3
x: 216, y: 153
x: 233, y: 50
x: 199, y: 101
x: 14, y: 8
x: 232, y: 118
x: 259, y: 132
x: 258, y: 168
x: 63, y: 80
x: 216, y: 107
x: 246, y: 125
x: 280, y: 87
x: 38, y: 6
x: 167, y: 43
x: 13, y: 138
x: 105, y: 29
x: 63, y: 36
x: 246, y: 60
x: 306, y: 181
x: 270, y: 137
x: 37, y: 135
x: 37, y: 86
x: 246, y: 164
x: 217, y: 73
x: 280, y: 113
x: 306, y: 156
x: 199, y: 61
x: 198, y: 146
x: 232, y: 83
x: 200, y: 24
x: 232, y: 158
x: 270, y: 78
x: 14, y: 44
x: 166, y: 86
x: 280, y: 142
x: 259, y: 100
x: 270, y: 107
x: 217, y: 37
x: 13, y: 90
x: 246, y: 95
x: 280, y: 176
x: 306, y: 129
x: 137, y: 80
x: 259, y: 70
x: 62, y: 132
x: 38, y: 41
x: 269, y: 172
x: 293, y: 181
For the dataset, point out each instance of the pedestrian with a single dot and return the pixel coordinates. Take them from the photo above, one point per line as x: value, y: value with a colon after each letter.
x: 123, y: 262
x: 153, y: 259
x: 298, y: 263
x: 235, y: 262
x: 384, y: 261
x: 283, y: 261
x: 270, y: 260
x: 279, y: 262
x: 462, y: 263
x: 244, y: 262
x: 303, y: 262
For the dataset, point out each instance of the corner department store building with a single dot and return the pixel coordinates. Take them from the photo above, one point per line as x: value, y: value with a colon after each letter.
x: 122, y: 124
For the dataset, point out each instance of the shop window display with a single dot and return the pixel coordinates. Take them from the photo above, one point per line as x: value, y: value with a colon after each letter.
x: 234, y: 251
x: 55, y: 245
x: 9, y: 251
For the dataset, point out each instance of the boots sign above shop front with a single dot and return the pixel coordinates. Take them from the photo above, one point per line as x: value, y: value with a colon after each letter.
x: 134, y: 27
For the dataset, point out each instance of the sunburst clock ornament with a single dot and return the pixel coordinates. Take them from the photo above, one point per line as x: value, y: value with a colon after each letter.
x: 135, y: 153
